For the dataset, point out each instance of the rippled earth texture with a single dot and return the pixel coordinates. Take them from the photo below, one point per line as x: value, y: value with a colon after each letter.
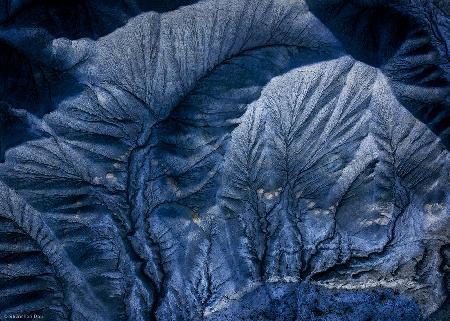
x: 225, y: 160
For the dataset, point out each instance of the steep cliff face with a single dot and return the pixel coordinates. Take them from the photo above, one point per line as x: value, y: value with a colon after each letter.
x: 225, y: 160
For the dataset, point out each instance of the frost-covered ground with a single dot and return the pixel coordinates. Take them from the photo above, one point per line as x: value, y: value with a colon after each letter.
x: 225, y: 160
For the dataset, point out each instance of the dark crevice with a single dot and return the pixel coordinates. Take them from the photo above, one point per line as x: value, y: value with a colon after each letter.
x: 75, y: 19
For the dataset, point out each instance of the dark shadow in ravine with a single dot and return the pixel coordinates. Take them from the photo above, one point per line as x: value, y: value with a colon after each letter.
x: 80, y: 19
